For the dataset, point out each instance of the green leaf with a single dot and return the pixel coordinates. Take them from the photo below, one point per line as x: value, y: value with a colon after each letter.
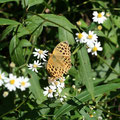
x: 4, y: 21
x: 85, y: 71
x: 7, y: 31
x: 84, y: 97
x: 107, y: 24
x: 64, y: 35
x: 113, y: 36
x: 86, y: 115
x: 34, y: 2
x: 52, y: 20
x: 16, y: 51
x: 22, y: 30
x: 35, y: 87
x: 100, y: 33
x: 24, y: 43
x: 83, y: 24
x: 3, y: 1
x: 116, y: 20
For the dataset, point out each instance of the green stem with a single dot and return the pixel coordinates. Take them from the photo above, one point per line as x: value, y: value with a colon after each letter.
x: 108, y: 65
x: 15, y: 109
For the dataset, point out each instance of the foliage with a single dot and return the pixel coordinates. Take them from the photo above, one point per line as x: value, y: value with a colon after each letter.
x: 29, y: 24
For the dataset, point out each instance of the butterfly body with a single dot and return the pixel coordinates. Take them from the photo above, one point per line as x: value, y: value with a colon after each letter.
x: 59, y: 61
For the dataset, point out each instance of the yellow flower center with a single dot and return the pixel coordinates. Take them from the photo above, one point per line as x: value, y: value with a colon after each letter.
x: 99, y: 15
x: 99, y: 27
x: 23, y: 83
x: 50, y: 91
x: 35, y: 66
x: 91, y: 115
x: 56, y: 83
x: 12, y: 82
x: 90, y: 36
x: 94, y: 49
x: 0, y: 77
x: 80, y: 35
x: 41, y: 52
x: 61, y: 81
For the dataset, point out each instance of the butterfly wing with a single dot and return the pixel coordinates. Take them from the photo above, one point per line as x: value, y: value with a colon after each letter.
x: 63, y: 54
x: 59, y: 62
x: 54, y: 67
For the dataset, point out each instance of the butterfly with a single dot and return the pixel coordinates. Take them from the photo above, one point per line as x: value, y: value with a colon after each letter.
x: 59, y: 61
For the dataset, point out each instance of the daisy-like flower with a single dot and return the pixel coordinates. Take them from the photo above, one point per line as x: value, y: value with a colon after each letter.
x: 24, y: 83
x: 2, y: 77
x: 99, y: 17
x: 81, y: 37
x: 56, y: 84
x: 49, y: 91
x: 93, y: 48
x: 34, y: 66
x: 91, y: 37
x: 40, y: 54
x: 12, y: 82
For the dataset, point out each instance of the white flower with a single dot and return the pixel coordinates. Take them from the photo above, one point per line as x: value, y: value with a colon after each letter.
x: 49, y: 91
x: 62, y: 84
x: 99, y: 17
x: 12, y: 82
x: 81, y: 37
x: 34, y: 66
x: 93, y: 48
x: 40, y: 54
x: 2, y: 77
x: 62, y: 98
x: 5, y: 94
x: 91, y: 37
x: 24, y: 83
x: 99, y: 118
x: 56, y: 84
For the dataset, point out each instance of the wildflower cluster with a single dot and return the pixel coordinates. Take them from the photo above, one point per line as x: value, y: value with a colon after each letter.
x: 90, y: 38
x: 41, y: 55
x: 12, y: 82
x: 54, y: 89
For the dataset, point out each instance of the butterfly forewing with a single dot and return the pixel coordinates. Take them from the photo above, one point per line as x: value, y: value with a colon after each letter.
x: 59, y: 62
